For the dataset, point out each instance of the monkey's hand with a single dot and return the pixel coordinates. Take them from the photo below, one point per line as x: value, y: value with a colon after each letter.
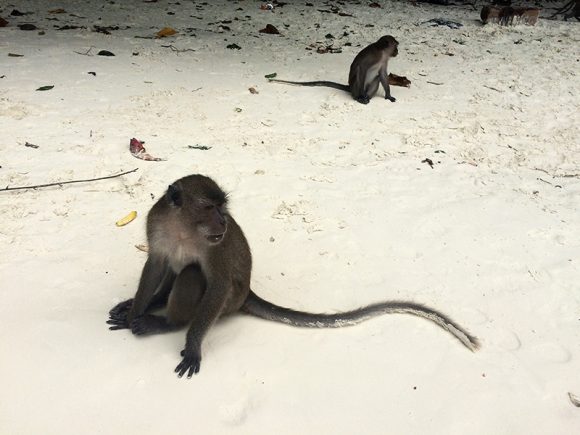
x: 391, y: 99
x: 190, y: 363
x: 118, y: 316
x: 121, y: 310
x: 363, y: 99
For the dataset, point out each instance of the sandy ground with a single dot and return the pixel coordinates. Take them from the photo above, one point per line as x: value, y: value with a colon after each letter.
x: 337, y: 200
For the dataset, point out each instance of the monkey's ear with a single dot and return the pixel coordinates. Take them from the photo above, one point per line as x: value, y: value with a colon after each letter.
x: 174, y: 195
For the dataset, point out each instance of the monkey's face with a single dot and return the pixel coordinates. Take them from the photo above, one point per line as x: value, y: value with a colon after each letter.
x: 212, y: 223
x: 201, y: 209
x: 395, y: 47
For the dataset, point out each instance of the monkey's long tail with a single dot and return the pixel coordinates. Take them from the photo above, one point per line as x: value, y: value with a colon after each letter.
x: 259, y: 307
x: 316, y: 83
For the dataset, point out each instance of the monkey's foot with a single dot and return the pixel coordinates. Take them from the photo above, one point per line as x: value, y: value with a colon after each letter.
x: 190, y: 363
x: 391, y: 99
x: 150, y: 324
x: 117, y: 324
x: 121, y: 310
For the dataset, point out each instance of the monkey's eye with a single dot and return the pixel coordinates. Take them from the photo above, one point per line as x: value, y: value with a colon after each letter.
x: 174, y: 195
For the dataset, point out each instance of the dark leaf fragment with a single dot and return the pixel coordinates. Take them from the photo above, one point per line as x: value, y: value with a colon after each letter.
x: 27, y: 27
x: 270, y: 29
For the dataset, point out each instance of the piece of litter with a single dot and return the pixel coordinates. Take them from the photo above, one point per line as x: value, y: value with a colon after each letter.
x: 443, y: 22
x: 138, y: 150
x: 124, y: 221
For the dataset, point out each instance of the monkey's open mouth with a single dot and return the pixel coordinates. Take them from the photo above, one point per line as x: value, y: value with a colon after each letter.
x: 216, y: 238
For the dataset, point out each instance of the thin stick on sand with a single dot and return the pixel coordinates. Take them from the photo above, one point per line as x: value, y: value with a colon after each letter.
x: 38, y: 186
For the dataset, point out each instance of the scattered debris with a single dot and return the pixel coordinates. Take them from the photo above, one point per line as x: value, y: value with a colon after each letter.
x: 27, y: 27
x: 199, y: 147
x: 57, y: 11
x: 267, y: 7
x: 166, y: 31
x: 570, y: 10
x: 271, y: 76
x: 143, y: 248
x: 238, y: 109
x: 507, y: 16
x: 429, y: 162
x: 17, y: 13
x: 270, y: 29
x: 92, y: 73
x: 396, y: 80
x: 574, y: 399
x: 138, y: 150
x: 15, y: 55
x: 31, y: 145
x: 234, y: 47
x: 375, y: 5
x: 175, y: 49
x: 45, y: 88
x: 323, y: 49
x: 105, y: 53
x: 68, y: 27
x: 3, y: 22
x: 443, y: 22
x: 434, y: 83
x: 106, y: 29
x: 253, y: 90
x: 129, y: 218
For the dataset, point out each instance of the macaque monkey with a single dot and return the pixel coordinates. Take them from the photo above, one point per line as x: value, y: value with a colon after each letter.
x: 368, y: 69
x: 199, y: 269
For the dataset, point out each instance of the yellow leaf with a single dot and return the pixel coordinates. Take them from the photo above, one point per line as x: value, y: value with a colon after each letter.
x: 166, y: 31
x: 126, y: 219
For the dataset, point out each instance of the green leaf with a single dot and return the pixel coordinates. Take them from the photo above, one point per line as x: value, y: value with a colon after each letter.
x: 45, y: 88
x: 271, y: 76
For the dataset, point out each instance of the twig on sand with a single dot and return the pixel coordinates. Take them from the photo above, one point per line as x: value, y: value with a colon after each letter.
x: 87, y: 53
x: 66, y: 182
x: 492, y: 88
x: 177, y: 50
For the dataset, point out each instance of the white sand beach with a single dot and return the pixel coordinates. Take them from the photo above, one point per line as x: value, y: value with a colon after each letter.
x: 339, y: 203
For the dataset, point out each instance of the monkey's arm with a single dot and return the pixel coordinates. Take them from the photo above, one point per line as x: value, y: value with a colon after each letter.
x: 206, y: 314
x: 384, y: 79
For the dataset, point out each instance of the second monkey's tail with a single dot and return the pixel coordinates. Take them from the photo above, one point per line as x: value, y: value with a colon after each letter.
x: 259, y: 307
x: 315, y: 83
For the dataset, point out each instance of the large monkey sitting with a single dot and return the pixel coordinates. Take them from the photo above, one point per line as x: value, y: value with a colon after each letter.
x: 199, y: 268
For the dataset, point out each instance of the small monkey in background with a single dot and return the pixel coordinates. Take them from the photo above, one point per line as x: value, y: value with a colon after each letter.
x: 199, y: 268
x: 368, y: 69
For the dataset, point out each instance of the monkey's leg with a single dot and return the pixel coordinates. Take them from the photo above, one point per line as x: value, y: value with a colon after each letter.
x: 372, y: 87
x: 156, y: 276
x: 357, y: 88
x: 384, y: 79
x: 118, y: 316
x: 185, y: 295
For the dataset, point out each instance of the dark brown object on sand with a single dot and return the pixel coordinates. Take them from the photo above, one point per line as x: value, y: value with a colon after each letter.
x: 507, y: 16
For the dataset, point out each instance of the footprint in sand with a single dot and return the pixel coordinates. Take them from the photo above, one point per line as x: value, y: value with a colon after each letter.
x: 235, y: 413
x: 551, y: 352
x: 508, y: 340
